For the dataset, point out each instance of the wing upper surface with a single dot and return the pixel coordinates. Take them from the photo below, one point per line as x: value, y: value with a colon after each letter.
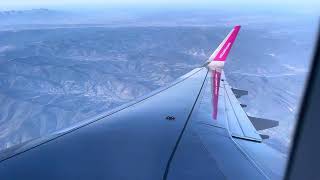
x: 194, y: 128
x: 133, y: 143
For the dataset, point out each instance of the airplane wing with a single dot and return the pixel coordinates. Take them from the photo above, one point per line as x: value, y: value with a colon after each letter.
x: 194, y: 128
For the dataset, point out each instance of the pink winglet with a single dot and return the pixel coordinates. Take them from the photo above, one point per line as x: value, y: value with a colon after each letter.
x: 224, y: 51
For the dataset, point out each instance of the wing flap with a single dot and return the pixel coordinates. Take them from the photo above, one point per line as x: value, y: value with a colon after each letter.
x: 240, y: 125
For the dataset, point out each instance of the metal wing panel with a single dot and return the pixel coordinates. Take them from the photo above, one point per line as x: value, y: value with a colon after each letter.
x: 134, y: 143
x: 208, y: 149
x: 222, y: 157
x: 271, y: 162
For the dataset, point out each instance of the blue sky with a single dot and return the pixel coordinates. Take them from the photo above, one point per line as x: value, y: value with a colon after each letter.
x: 25, y: 4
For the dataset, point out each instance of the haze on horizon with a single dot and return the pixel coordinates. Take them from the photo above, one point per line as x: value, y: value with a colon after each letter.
x: 308, y: 6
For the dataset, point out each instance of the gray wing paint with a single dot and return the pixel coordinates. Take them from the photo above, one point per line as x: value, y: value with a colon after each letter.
x: 169, y: 134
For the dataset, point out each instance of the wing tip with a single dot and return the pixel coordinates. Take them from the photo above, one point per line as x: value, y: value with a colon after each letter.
x: 226, y: 45
x: 237, y: 28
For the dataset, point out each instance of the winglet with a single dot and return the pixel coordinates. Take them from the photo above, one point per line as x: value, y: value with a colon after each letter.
x: 221, y: 53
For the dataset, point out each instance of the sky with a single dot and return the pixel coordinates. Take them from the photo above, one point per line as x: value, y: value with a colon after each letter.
x: 27, y: 4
